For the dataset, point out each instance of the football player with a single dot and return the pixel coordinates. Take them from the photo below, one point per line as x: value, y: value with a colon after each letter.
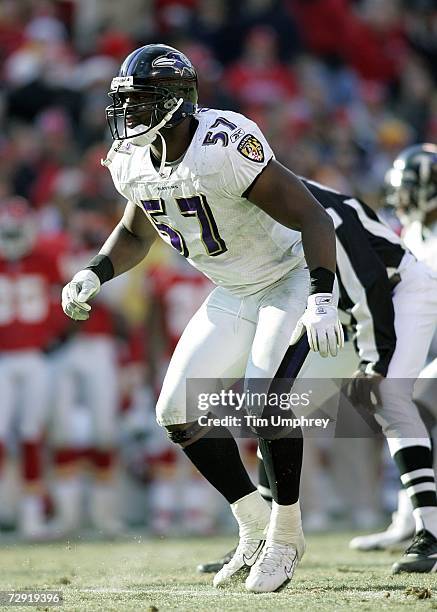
x: 97, y: 389
x: 29, y: 278
x: 392, y: 298
x: 411, y: 187
x: 207, y: 182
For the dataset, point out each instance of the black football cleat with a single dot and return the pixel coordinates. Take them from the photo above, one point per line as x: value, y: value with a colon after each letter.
x: 216, y: 566
x: 420, y: 556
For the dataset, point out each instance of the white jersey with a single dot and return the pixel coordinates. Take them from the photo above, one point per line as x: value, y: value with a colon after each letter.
x: 199, y: 208
x: 422, y: 242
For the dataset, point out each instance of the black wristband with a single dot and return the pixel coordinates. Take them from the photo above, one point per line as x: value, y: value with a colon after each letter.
x: 102, y: 266
x: 322, y: 281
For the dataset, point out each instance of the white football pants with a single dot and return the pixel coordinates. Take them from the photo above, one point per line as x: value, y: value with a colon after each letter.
x: 230, y: 338
x: 415, y: 305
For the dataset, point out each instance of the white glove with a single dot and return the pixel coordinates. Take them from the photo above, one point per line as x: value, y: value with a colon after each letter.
x: 324, y: 330
x: 83, y: 286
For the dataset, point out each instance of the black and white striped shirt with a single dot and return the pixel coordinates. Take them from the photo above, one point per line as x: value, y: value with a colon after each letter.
x: 369, y: 253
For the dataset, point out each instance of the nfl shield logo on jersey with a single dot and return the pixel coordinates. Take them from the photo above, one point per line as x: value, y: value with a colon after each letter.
x: 251, y: 148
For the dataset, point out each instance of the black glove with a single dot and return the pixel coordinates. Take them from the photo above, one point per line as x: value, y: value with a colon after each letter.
x: 363, y: 389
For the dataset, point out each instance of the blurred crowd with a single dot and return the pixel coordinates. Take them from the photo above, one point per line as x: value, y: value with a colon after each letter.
x: 339, y: 87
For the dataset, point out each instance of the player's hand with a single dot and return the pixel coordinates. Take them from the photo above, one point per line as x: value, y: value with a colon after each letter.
x: 363, y: 389
x: 323, y: 327
x: 83, y: 286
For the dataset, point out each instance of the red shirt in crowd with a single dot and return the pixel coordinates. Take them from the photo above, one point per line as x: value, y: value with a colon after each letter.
x: 30, y: 312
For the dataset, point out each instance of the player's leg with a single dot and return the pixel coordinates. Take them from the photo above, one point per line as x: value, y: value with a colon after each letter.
x: 274, y: 360
x: 102, y: 396
x: 402, y: 526
x: 406, y: 434
x: 314, y: 367
x: 66, y: 456
x: 282, y: 460
x: 319, y: 368
x: 398, y: 533
x: 215, y: 345
x: 163, y: 491
x: 33, y: 420
x: 8, y: 394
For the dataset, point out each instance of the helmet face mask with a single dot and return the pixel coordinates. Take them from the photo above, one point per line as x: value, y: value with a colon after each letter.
x: 152, y: 79
x: 411, y: 183
x: 17, y: 229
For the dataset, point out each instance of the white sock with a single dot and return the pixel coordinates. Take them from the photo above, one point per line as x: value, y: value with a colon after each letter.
x: 32, y: 510
x: 426, y: 518
x: 252, y: 514
x: 103, y: 508
x: 68, y: 498
x: 405, y: 507
x: 286, y: 526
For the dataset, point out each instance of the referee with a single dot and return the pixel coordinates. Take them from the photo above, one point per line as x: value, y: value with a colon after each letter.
x: 392, y: 300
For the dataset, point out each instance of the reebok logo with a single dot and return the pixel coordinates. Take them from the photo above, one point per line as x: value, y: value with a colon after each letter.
x: 323, y: 300
x: 236, y: 135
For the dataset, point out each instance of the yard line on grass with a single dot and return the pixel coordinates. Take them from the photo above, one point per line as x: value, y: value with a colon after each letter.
x: 371, y: 594
x: 158, y: 591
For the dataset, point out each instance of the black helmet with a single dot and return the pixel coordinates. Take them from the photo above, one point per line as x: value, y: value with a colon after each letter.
x: 411, y: 183
x: 163, y: 73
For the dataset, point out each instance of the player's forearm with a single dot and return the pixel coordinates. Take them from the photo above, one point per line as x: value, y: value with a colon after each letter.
x: 125, y: 249
x: 318, y: 240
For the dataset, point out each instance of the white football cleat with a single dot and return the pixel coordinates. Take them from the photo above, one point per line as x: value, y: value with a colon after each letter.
x: 245, y: 556
x: 401, y: 529
x: 274, y: 568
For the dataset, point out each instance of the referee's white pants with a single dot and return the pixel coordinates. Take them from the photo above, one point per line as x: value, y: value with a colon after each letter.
x: 415, y: 306
x: 230, y: 338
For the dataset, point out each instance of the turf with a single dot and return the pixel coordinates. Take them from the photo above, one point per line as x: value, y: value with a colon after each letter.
x: 159, y: 574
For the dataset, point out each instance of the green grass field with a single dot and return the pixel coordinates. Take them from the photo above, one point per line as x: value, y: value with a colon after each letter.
x: 143, y: 574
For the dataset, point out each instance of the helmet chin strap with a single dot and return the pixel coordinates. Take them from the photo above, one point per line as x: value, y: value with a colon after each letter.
x: 146, y: 138
x: 150, y: 136
x: 163, y: 153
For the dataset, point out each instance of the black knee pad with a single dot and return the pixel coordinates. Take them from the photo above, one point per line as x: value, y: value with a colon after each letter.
x: 186, y: 433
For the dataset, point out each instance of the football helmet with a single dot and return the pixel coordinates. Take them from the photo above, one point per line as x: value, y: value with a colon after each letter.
x: 153, y: 81
x: 411, y: 183
x: 18, y: 228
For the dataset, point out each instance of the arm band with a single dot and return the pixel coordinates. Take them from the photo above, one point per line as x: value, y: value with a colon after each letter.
x: 102, y: 266
x: 322, y: 281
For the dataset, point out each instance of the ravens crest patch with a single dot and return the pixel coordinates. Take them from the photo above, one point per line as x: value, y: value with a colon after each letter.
x: 251, y: 148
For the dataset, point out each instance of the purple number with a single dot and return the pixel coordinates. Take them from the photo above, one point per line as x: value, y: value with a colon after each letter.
x: 225, y: 122
x: 211, y: 139
x: 156, y: 208
x: 199, y: 207
x: 196, y: 206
